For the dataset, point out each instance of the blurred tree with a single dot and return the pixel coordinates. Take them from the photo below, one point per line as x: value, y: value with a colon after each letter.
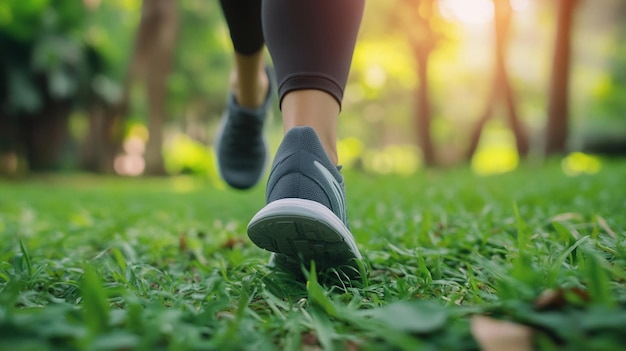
x: 105, y: 131
x: 501, y: 85
x: 382, y: 82
x: 108, y: 30
x: 420, y: 18
x: 557, y: 125
x: 198, y: 84
x: 195, y: 86
x: 45, y: 69
x: 605, y: 132
x: 151, y: 63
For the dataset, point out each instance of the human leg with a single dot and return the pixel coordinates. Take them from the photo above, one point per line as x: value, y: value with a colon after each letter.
x: 240, y: 146
x: 316, y: 109
x: 249, y: 81
x: 311, y: 44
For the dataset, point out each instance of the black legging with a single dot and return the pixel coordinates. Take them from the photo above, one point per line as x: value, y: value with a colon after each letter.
x: 311, y: 41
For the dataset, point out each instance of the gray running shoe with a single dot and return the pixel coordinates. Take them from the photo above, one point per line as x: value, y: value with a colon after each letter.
x: 240, y: 145
x: 305, y: 217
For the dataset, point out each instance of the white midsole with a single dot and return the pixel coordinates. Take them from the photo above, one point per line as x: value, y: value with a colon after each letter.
x: 301, y: 208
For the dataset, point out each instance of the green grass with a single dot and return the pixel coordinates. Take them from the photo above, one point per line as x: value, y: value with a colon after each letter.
x: 90, y: 263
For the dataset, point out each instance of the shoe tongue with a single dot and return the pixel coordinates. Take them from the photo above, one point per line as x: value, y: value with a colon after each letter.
x: 302, y: 137
x: 305, y: 137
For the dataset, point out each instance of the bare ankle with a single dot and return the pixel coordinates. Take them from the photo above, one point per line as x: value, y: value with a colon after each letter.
x: 250, y: 96
x: 249, y: 80
x: 315, y: 109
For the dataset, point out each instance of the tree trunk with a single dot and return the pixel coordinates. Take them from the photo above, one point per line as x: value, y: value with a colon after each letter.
x: 150, y: 64
x: 477, y: 131
x: 104, y: 137
x: 45, y: 136
x: 418, y: 17
x: 154, y: 49
x: 521, y: 138
x: 423, y: 111
x: 557, y: 121
x: 501, y: 88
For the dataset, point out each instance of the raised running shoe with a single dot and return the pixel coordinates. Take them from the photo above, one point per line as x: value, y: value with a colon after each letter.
x: 305, y: 217
x: 240, y: 145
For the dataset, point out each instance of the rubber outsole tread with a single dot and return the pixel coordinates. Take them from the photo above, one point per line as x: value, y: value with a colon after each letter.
x: 303, y: 238
x: 303, y: 235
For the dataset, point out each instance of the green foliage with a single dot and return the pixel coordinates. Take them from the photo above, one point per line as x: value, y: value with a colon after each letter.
x: 186, y: 156
x: 606, y: 112
x: 20, y: 19
x: 48, y: 58
x: 172, y: 269
x: 198, y: 83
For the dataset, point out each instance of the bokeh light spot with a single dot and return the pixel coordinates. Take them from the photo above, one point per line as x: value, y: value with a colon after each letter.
x: 139, y: 131
x: 375, y: 77
x: 129, y: 165
x: 394, y: 159
x: 349, y: 150
x: 496, y: 153
x: 134, y: 146
x: 578, y: 163
x: 473, y: 12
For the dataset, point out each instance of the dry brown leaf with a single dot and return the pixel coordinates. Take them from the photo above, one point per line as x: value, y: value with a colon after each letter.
x: 550, y: 299
x: 310, y: 342
x: 182, y: 242
x: 564, y: 217
x: 557, y: 298
x: 225, y: 315
x: 351, y: 345
x: 199, y: 256
x: 496, y: 335
x: 606, y: 227
x: 231, y: 243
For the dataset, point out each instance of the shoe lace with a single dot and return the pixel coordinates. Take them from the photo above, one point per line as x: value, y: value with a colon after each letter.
x: 248, y: 132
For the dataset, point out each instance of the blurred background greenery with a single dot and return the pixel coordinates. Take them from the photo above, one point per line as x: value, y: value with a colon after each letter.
x: 137, y: 87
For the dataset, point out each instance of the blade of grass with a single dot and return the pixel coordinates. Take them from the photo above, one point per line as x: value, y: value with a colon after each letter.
x: 95, y: 302
x: 323, y: 327
x: 522, y: 266
x: 522, y: 237
x: 558, y: 263
x: 598, y: 279
x: 317, y: 295
x: 26, y: 257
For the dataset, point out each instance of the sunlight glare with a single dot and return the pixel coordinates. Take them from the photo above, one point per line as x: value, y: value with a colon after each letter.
x: 472, y: 12
x: 520, y: 5
x: 375, y: 77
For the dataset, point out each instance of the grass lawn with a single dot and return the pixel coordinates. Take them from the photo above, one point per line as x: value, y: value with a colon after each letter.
x: 91, y: 263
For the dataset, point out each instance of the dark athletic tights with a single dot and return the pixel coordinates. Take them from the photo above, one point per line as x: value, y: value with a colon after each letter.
x: 311, y: 41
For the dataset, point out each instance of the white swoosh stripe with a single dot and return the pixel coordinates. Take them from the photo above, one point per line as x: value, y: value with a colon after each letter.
x: 336, y: 188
